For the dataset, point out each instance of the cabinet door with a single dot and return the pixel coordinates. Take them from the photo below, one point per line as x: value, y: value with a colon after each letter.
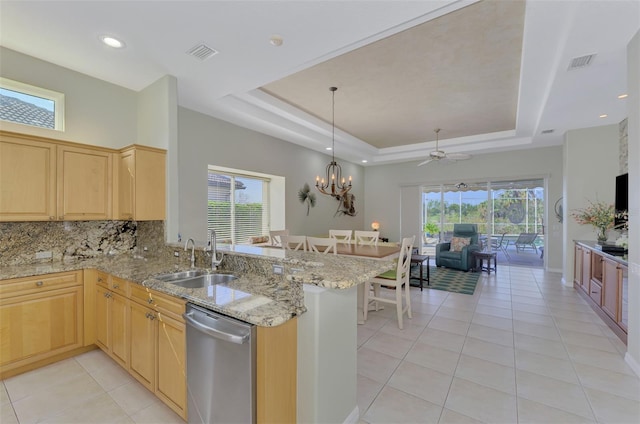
x: 119, y: 329
x: 623, y: 317
x: 611, y: 288
x: 142, y: 363
x: 171, y: 370
x: 126, y: 184
x: 586, y: 270
x: 27, y: 180
x: 84, y: 183
x: 577, y: 265
x: 102, y: 318
x: 150, y: 185
x: 40, y: 325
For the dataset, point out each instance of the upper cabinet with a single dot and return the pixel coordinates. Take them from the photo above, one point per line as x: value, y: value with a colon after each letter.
x: 140, y: 188
x: 43, y: 180
x: 27, y: 179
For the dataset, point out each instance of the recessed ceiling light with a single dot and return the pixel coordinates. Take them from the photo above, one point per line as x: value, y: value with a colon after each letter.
x: 276, y: 40
x: 623, y: 96
x: 328, y: 148
x: 112, y: 41
x: 364, y: 161
x: 604, y: 115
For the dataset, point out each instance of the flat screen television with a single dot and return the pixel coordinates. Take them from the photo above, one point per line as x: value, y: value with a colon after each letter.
x: 622, y: 195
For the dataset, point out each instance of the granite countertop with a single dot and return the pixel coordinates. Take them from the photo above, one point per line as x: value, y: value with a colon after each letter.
x: 622, y: 259
x: 257, y: 296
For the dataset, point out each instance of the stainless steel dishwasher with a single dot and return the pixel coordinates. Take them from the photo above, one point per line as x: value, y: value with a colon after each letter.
x: 221, y: 368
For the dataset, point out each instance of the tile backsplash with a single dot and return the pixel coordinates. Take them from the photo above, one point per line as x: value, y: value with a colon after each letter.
x: 20, y: 241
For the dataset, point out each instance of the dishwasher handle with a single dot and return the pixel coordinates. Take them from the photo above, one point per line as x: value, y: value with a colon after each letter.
x: 214, y: 332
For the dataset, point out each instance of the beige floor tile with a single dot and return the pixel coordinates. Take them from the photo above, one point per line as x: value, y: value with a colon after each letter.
x: 487, y: 373
x: 540, y: 345
x: 503, y: 295
x: 368, y: 389
x: 495, y: 302
x: 133, y: 397
x: 492, y: 352
x: 48, y: 400
x: 481, y: 402
x: 610, y: 408
x: 587, y: 340
x: 374, y: 322
x: 460, y: 301
x: 111, y: 377
x: 94, y: 360
x: 579, y: 326
x: 561, y: 369
x: 494, y: 311
x: 452, y: 417
x: 492, y: 321
x: 419, y: 307
x: 491, y: 335
x: 157, y: 413
x: 533, y: 318
x: 550, y: 391
x: 98, y: 409
x: 22, y: 385
x: 429, y: 356
x: 528, y: 300
x: 375, y: 365
x: 454, y: 313
x: 411, y: 329
x: 388, y: 344
x: 442, y: 339
x: 623, y: 385
x: 395, y: 406
x: 537, y: 330
x: 7, y: 414
x: 425, y: 383
x: 599, y: 358
x: 530, y: 412
x: 586, y: 316
x: 4, y: 396
x: 449, y: 325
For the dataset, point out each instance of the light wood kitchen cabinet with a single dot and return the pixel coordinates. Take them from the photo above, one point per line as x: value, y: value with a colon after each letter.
x: 577, y: 264
x: 40, y: 318
x: 140, y: 187
x: 27, y: 179
x: 143, y: 330
x: 84, y: 183
x: 585, y: 276
x: 112, y: 324
x: 611, y: 282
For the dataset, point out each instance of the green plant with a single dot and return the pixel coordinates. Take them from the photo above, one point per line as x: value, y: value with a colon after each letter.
x: 599, y: 214
x: 431, y: 228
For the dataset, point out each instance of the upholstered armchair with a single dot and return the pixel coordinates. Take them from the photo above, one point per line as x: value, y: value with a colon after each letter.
x: 461, y: 258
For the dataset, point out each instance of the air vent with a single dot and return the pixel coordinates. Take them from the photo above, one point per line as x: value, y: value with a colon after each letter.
x: 581, y: 62
x: 202, y: 52
x: 547, y: 131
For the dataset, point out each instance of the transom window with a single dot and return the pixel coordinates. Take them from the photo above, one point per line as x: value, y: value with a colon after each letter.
x: 29, y: 105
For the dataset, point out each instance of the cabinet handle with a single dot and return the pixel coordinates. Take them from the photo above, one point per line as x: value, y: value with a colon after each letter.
x: 107, y: 295
x: 61, y: 218
x: 51, y: 218
x: 152, y: 317
x: 99, y: 280
x: 39, y: 283
x: 594, y: 292
x: 150, y: 301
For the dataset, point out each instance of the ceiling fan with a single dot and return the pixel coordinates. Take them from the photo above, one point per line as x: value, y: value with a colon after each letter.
x: 437, y: 155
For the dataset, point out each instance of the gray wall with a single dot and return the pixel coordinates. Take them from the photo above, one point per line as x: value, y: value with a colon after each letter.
x: 391, y: 191
x: 203, y: 141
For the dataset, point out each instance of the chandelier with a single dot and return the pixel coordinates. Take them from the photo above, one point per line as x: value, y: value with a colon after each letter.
x: 334, y: 184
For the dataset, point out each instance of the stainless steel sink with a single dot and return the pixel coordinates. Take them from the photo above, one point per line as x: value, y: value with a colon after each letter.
x: 204, y: 280
x: 182, y: 275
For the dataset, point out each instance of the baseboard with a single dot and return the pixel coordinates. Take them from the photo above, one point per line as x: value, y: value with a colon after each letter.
x: 635, y: 366
x: 353, y: 417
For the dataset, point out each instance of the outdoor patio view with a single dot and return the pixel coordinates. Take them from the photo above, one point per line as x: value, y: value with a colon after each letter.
x: 509, y: 208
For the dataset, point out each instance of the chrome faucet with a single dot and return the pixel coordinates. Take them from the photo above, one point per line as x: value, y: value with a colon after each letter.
x: 215, y: 262
x: 193, y: 254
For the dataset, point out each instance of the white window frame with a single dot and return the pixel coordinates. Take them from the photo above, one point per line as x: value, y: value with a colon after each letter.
x: 31, y: 90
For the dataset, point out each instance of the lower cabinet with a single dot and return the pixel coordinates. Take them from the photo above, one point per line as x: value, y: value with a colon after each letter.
x: 112, y: 332
x: 40, y: 319
x: 171, y: 382
x: 143, y: 330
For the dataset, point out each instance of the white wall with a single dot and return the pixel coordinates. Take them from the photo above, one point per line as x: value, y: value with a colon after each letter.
x: 633, y: 86
x: 97, y: 112
x: 590, y: 168
x: 398, y: 216
x: 203, y: 141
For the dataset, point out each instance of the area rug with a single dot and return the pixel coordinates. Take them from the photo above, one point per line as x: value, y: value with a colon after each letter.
x: 446, y: 279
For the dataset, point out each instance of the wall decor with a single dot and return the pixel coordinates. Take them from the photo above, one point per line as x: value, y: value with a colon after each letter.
x: 305, y: 196
x: 346, y: 205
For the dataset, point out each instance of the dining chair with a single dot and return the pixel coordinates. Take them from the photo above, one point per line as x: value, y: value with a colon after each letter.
x: 367, y: 237
x: 294, y: 242
x: 322, y: 245
x: 274, y: 237
x: 396, y: 278
x: 342, y: 236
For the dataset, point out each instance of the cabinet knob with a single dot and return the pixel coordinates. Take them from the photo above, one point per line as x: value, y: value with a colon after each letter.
x: 115, y: 286
x: 150, y: 301
x: 152, y: 317
x: 107, y: 295
x: 51, y: 218
x: 39, y: 283
x: 61, y: 218
x: 99, y: 280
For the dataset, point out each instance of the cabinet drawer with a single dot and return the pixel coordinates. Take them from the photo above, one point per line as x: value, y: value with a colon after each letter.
x: 158, y: 301
x: 120, y: 286
x: 595, y: 291
x: 27, y: 285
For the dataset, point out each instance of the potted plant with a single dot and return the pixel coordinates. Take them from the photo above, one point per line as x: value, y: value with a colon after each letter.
x: 599, y: 214
x: 431, y: 229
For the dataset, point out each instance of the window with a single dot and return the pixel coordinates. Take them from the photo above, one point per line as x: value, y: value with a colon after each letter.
x: 237, y: 206
x: 28, y: 105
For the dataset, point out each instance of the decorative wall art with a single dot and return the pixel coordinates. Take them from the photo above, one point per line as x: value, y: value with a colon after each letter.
x: 346, y: 205
x: 306, y: 197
